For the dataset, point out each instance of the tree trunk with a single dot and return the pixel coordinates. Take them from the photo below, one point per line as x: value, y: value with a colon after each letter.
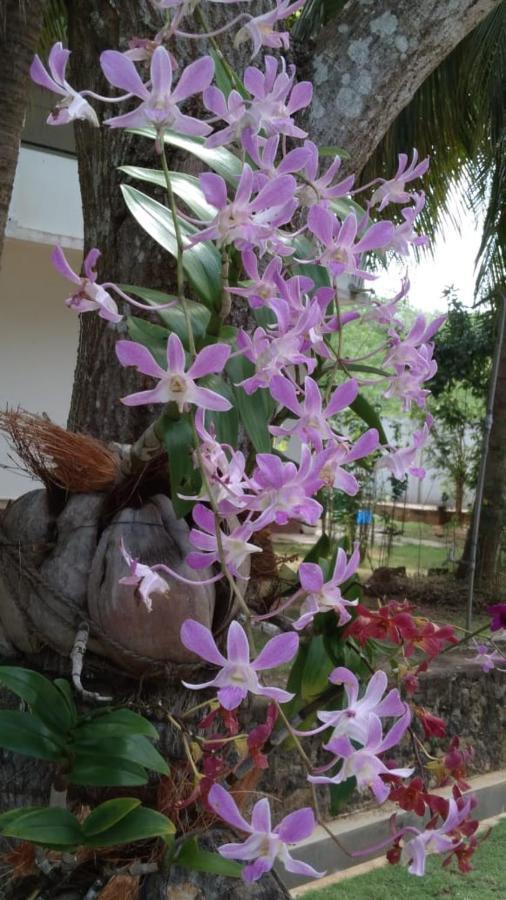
x: 459, y: 497
x: 20, y: 26
x: 371, y: 58
x: 493, y: 518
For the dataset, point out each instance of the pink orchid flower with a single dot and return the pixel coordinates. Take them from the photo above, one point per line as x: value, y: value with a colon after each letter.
x: 323, y: 596
x: 435, y: 840
x: 238, y: 676
x: 261, y: 32
x: 159, y: 107
x: 353, y: 720
x: 341, y: 251
x: 401, y: 462
x: 487, y: 657
x: 363, y: 764
x: 175, y: 384
x: 143, y: 578
x: 335, y: 457
x: 265, y: 844
x: 90, y: 296
x: 312, y: 420
x: 284, y: 491
x: 394, y: 190
x: 317, y: 188
x: 235, y: 545
x: 72, y: 105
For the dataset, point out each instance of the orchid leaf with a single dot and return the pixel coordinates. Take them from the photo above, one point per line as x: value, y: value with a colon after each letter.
x: 220, y: 160
x: 202, y: 263
x: 174, y: 317
x: 186, y: 187
x: 365, y: 411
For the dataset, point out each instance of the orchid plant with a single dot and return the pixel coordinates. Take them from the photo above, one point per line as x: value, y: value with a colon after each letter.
x: 272, y: 224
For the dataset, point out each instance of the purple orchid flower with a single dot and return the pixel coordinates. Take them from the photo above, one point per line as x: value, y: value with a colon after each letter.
x: 90, y: 296
x: 323, y: 596
x: 340, y: 253
x: 260, y: 29
x: 264, y: 152
x: 406, y: 351
x: 401, y: 462
x: 334, y: 458
x: 143, y: 578
x: 317, y: 189
x: 498, y: 614
x: 406, y: 383
x: 159, y: 107
x: 261, y: 288
x: 487, y: 657
x: 353, y: 720
x: 283, y: 491
x: 238, y: 676
x: 265, y: 844
x: 72, y: 105
x: 435, y: 840
x: 404, y: 235
x: 311, y: 425
x: 394, y: 190
x: 236, y: 549
x: 275, y: 99
x: 385, y: 313
x: 175, y: 385
x: 363, y: 764
x: 246, y: 222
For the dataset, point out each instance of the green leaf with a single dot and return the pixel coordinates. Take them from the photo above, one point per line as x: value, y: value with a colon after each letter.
x: 340, y: 793
x: 49, y: 826
x: 361, y: 367
x: 255, y: 409
x: 24, y: 733
x: 295, y: 680
x: 152, y: 336
x: 66, y: 691
x: 222, y: 161
x: 116, y: 723
x: 138, y: 825
x: 186, y: 187
x: 202, y: 263
x: 115, y: 772
x: 225, y: 77
x: 108, y: 814
x: 317, y: 668
x: 174, y: 318
x: 135, y: 748
x: 177, y: 436
x: 226, y: 424
x: 365, y: 411
x: 322, y: 549
x: 333, y: 151
x: 343, y: 206
x: 192, y: 857
x: 43, y: 697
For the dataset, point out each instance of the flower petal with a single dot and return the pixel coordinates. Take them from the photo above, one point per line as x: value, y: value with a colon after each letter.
x: 224, y: 805
x: 210, y: 359
x: 296, y: 826
x: 131, y: 353
x: 62, y: 266
x: 175, y: 354
x: 199, y: 640
x: 121, y: 73
x: 280, y: 649
x: 237, y: 644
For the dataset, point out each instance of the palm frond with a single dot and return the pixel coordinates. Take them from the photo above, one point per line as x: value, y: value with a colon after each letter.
x: 54, y: 26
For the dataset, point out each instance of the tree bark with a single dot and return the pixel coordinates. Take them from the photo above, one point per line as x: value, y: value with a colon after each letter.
x: 371, y: 58
x: 20, y: 27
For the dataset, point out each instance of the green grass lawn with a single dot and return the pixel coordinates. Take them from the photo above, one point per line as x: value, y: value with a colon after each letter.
x: 487, y: 881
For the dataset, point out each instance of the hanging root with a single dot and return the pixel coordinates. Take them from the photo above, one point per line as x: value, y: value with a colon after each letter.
x: 75, y: 462
x: 77, y: 659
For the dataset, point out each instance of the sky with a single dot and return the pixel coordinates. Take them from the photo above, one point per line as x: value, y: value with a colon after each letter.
x: 452, y: 263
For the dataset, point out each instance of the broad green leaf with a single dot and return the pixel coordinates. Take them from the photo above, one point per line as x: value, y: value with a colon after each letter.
x: 186, y: 187
x: 135, y: 748
x: 365, y: 411
x: 138, y: 825
x: 177, y: 435
x: 116, y: 723
x: 295, y: 680
x: 255, y: 409
x: 174, y: 317
x: 24, y: 733
x: 340, y: 793
x: 222, y: 161
x: 317, y: 668
x: 152, y: 336
x: 192, y: 857
x: 108, y: 814
x: 66, y: 691
x: 49, y: 826
x: 343, y: 206
x: 43, y: 697
x: 361, y: 367
x: 202, y: 263
x: 114, y: 772
x: 322, y: 549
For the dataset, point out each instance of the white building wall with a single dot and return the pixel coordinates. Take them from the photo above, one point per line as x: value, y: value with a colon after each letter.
x: 38, y: 334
